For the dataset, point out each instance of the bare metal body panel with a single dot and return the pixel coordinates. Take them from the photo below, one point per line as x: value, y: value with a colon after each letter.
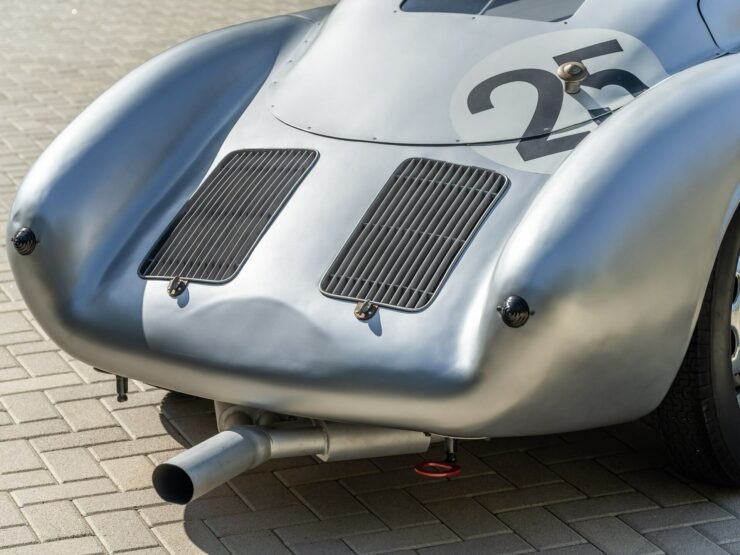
x: 338, y: 88
x: 610, y: 242
x: 723, y: 19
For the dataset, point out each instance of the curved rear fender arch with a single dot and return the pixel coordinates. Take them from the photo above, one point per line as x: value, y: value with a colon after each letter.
x: 138, y: 150
x: 615, y: 253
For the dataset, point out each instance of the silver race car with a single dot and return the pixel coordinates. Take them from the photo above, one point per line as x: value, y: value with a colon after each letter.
x: 364, y: 229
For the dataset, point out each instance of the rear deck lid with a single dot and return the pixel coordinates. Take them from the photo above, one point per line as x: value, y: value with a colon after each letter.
x: 384, y: 71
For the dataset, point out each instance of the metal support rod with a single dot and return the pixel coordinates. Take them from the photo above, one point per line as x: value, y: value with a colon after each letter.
x: 122, y: 389
x: 451, y: 449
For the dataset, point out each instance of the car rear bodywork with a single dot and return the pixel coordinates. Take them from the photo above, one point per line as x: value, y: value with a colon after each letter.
x: 607, y: 220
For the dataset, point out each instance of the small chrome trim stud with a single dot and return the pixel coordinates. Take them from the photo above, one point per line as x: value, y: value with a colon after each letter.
x: 365, y: 310
x: 515, y: 312
x: 24, y: 241
x: 573, y: 74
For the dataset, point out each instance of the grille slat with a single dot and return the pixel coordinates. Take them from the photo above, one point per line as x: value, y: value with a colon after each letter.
x: 409, y: 218
x: 240, y: 189
x: 198, y: 222
x: 252, y: 202
x: 165, y: 251
x: 433, y: 217
x: 413, y: 234
x: 199, y: 216
x: 495, y: 184
x: 369, y: 242
x: 460, y: 211
x: 260, y: 212
x: 217, y: 229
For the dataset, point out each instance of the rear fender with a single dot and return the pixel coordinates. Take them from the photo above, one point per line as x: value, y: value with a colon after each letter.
x: 139, y: 150
x: 615, y: 253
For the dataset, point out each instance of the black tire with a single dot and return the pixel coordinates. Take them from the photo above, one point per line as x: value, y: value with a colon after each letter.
x: 699, y: 419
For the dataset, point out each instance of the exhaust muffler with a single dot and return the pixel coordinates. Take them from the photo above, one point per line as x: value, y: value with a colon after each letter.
x: 224, y: 456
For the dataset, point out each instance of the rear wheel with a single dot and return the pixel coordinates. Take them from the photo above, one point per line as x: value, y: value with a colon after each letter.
x: 700, y: 417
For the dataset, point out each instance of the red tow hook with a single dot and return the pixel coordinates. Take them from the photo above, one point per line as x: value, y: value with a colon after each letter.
x: 441, y: 469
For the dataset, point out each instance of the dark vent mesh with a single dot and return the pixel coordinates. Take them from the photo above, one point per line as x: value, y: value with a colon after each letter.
x: 414, y: 232
x: 216, y: 231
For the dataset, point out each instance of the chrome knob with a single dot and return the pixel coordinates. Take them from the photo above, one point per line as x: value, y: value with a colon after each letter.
x: 572, y: 74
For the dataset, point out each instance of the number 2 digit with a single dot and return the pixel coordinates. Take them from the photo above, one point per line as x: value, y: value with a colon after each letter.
x: 550, y: 96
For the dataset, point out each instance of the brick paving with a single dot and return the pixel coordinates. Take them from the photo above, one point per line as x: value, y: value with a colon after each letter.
x: 75, y: 465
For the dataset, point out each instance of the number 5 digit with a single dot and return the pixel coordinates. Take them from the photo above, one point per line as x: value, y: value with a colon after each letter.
x: 538, y: 142
x: 549, y: 103
x: 620, y: 77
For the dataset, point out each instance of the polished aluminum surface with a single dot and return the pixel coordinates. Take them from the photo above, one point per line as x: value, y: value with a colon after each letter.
x: 723, y: 19
x: 603, y: 224
x: 403, y: 77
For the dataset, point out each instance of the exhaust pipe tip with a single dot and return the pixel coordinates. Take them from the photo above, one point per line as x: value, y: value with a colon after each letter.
x: 224, y: 456
x: 173, y: 484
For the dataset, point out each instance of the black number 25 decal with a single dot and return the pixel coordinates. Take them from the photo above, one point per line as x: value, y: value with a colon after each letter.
x: 538, y: 142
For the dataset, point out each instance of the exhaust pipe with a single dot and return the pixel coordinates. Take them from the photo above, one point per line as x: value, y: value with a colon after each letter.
x: 224, y: 456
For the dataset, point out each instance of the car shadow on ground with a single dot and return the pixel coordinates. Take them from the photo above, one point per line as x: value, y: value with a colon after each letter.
x: 286, y: 500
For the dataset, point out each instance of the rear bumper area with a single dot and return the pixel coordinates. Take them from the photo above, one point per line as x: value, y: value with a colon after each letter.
x: 265, y: 354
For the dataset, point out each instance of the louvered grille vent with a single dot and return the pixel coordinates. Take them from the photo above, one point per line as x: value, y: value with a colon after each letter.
x: 216, y: 231
x: 416, y: 229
